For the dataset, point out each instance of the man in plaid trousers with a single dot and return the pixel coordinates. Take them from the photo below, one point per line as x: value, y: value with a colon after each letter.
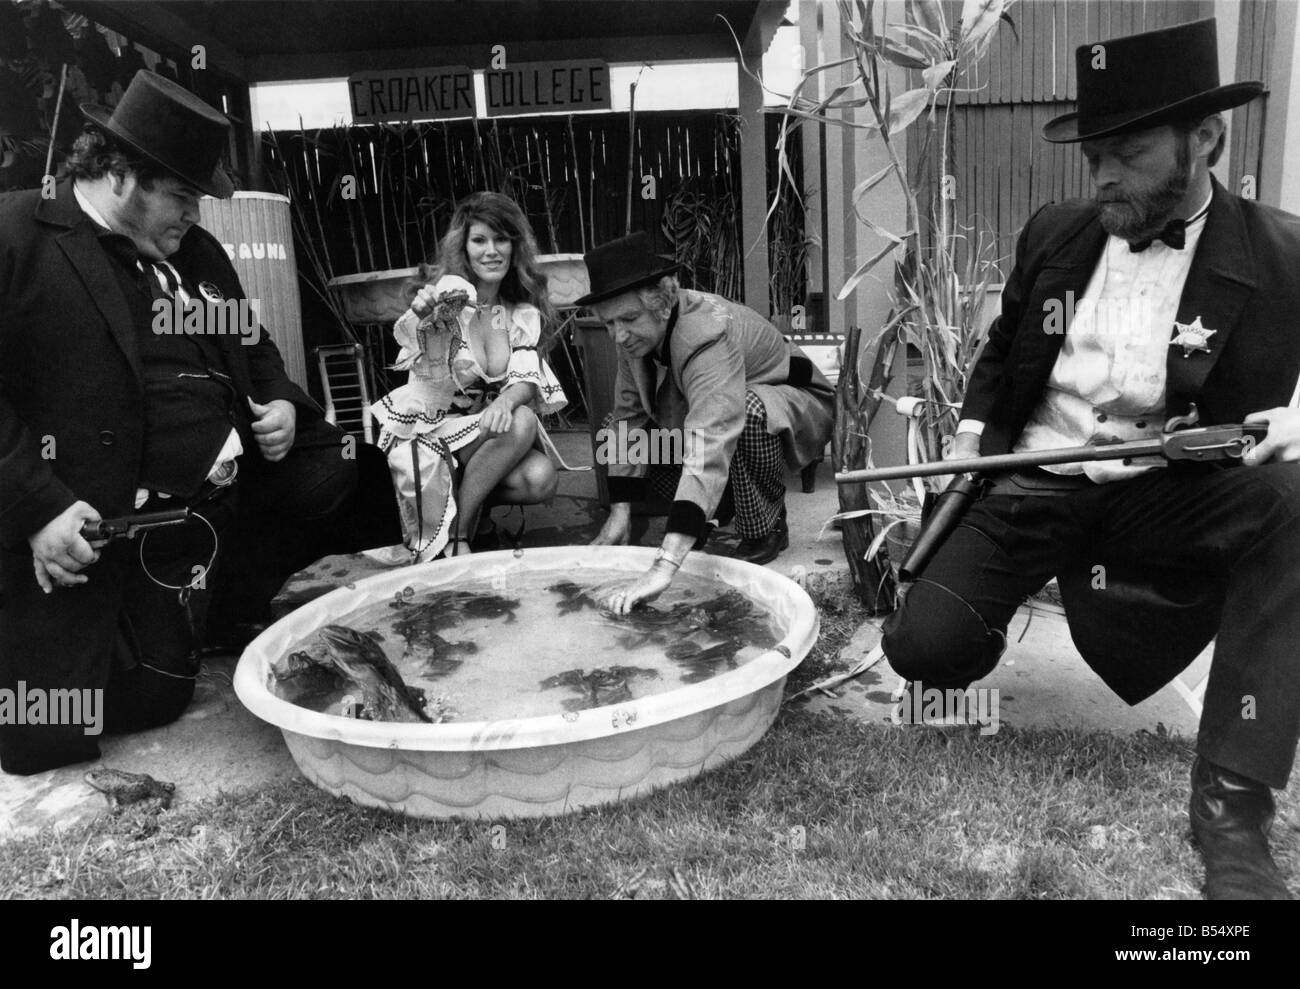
x: 743, y: 402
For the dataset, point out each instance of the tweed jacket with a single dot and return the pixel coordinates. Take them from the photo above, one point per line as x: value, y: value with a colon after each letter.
x: 717, y: 350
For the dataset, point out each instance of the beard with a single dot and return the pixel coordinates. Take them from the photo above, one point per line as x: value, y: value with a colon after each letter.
x: 1144, y: 214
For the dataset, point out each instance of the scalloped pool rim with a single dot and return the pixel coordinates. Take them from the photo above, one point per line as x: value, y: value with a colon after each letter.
x: 541, y: 765
x: 783, y: 596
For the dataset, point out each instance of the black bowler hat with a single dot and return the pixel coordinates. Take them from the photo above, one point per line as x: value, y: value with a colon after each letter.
x: 1143, y: 80
x: 622, y: 265
x: 171, y: 126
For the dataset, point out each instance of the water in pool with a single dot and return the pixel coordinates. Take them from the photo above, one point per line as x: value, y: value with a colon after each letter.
x: 519, y: 646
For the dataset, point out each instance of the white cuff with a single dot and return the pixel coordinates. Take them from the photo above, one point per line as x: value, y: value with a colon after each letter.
x: 970, y: 426
x: 231, y: 449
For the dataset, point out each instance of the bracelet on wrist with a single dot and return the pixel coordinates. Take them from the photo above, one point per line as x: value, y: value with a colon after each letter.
x: 663, y: 557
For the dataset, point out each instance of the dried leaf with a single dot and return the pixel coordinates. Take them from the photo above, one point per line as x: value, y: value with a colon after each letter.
x: 866, y: 185
x: 901, y: 54
x: 852, y: 282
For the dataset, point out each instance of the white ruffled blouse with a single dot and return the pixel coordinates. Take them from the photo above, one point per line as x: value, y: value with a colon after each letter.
x: 446, y: 381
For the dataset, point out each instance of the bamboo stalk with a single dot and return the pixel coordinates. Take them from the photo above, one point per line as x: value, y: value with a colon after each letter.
x: 58, y: 108
x: 356, y: 172
x: 446, y: 149
x: 873, y: 583
x: 546, y: 199
x: 631, y: 152
x: 577, y: 181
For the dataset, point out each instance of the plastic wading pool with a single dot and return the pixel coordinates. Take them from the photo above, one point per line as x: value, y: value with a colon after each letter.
x: 541, y: 765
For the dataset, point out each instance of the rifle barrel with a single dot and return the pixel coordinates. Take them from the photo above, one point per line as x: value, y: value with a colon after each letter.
x: 1005, y: 461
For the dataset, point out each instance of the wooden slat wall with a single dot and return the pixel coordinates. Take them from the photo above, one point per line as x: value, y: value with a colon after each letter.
x: 1004, y: 169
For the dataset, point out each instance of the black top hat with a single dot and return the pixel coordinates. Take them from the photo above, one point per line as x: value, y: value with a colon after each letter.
x: 622, y: 265
x: 1130, y: 84
x: 171, y: 126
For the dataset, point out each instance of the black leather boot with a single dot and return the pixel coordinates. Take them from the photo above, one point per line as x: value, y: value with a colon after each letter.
x: 1231, y: 816
x: 765, y: 549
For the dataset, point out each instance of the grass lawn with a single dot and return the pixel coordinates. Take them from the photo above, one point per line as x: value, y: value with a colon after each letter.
x: 821, y: 807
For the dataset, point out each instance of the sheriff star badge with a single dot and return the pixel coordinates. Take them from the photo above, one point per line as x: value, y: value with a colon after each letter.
x: 1191, y: 336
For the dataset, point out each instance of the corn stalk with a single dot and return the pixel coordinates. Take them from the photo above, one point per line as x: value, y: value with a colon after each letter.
x: 936, y: 308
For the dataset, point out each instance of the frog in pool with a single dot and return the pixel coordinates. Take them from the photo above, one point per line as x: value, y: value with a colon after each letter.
x: 489, y: 606
x: 421, y: 631
x: 573, y: 597
x: 599, y: 687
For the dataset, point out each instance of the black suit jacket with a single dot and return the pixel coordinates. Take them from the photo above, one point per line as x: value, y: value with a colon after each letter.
x: 70, y: 374
x: 72, y: 422
x: 1243, y: 283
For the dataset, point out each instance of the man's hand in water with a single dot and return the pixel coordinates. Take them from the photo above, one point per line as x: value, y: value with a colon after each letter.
x: 626, y: 596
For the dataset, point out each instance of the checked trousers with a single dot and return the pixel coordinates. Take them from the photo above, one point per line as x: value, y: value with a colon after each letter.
x: 755, y: 481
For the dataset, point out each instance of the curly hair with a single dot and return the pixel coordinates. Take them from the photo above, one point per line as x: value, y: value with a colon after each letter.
x: 524, y: 282
x: 97, y: 153
x: 659, y: 297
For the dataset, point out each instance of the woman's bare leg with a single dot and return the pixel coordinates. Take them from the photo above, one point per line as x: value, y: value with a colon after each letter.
x: 487, y: 462
x: 532, y: 481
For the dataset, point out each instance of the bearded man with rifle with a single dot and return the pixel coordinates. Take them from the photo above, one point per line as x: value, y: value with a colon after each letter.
x: 1185, y: 303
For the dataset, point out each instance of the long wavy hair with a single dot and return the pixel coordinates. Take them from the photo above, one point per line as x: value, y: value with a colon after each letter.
x: 524, y: 282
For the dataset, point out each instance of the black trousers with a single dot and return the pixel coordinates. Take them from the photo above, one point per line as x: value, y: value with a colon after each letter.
x: 123, y: 634
x: 1233, y: 535
x: 274, y: 520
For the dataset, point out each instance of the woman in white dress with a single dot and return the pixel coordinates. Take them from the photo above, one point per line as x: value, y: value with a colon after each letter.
x: 472, y: 341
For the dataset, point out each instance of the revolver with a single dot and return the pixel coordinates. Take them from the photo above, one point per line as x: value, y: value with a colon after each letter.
x: 128, y: 526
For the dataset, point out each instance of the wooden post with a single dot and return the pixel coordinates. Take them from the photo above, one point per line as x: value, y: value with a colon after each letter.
x: 814, y: 172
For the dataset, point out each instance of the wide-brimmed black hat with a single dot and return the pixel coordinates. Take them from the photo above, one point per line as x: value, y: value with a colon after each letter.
x: 622, y: 265
x: 1143, y: 80
x: 171, y: 126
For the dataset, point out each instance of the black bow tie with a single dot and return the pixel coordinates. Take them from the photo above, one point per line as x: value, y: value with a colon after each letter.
x: 1174, y: 234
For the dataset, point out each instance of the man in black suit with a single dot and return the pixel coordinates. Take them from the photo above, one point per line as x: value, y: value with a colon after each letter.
x: 1166, y: 292
x: 106, y: 409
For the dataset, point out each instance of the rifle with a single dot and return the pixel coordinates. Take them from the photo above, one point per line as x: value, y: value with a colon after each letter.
x: 128, y: 526
x: 1180, y: 440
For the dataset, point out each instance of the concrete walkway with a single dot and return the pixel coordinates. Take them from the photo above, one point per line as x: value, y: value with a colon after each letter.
x: 218, y: 746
